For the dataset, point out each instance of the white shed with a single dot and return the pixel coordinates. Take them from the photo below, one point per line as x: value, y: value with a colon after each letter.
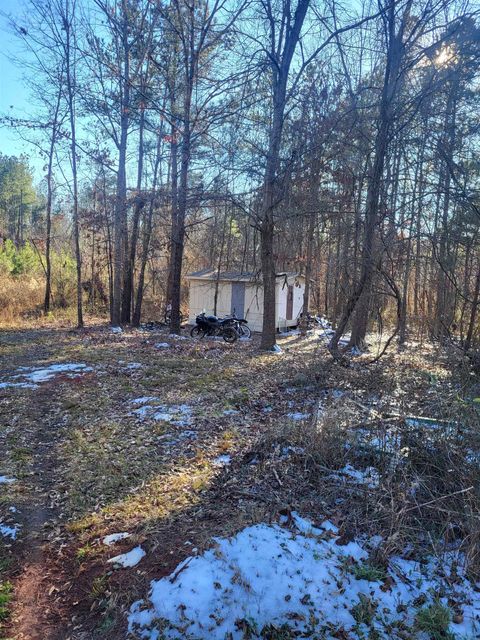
x: 242, y: 294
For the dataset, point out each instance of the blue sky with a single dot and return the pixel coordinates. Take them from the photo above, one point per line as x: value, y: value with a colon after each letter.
x: 12, y: 90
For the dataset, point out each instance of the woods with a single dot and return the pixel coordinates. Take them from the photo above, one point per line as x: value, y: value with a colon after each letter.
x: 240, y: 320
x: 338, y: 143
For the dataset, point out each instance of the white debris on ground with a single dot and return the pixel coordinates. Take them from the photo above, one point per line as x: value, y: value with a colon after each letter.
x: 21, y: 385
x: 162, y: 345
x: 288, y: 451
x: 115, y: 537
x: 116, y: 329
x: 33, y: 376
x: 268, y: 574
x: 8, y: 532
x: 129, y: 559
x: 222, y: 461
x: 179, y: 415
x: 174, y: 336
x: 368, y: 477
x: 276, y: 349
x: 231, y: 412
x: 298, y: 416
x: 6, y: 480
x: 134, y: 365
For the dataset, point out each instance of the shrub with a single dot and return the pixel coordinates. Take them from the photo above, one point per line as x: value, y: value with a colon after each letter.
x: 435, y: 620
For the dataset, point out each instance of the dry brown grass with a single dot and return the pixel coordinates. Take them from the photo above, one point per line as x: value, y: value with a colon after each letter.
x: 19, y: 296
x: 428, y: 494
x: 113, y: 473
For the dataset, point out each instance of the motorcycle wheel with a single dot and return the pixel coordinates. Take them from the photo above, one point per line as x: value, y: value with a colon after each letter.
x: 245, y: 331
x: 196, y: 332
x: 229, y: 334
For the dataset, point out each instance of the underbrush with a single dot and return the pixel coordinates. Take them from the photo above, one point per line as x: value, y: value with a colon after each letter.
x: 400, y: 460
x: 19, y: 295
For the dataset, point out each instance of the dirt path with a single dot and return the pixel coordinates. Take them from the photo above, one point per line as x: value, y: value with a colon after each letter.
x: 36, y: 613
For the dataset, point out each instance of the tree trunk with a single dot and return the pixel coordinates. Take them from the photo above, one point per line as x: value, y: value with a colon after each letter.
x: 69, y: 70
x: 127, y: 294
x: 120, y: 215
x: 48, y: 239
x: 178, y: 235
x: 359, y: 302
x: 173, y: 208
x: 473, y: 312
x: 308, y: 264
x: 443, y: 307
x: 146, y: 240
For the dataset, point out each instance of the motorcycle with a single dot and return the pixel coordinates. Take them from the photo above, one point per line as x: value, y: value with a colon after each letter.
x: 240, y: 325
x: 213, y: 326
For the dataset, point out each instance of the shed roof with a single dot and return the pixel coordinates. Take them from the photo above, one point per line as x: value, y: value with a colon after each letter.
x: 229, y: 276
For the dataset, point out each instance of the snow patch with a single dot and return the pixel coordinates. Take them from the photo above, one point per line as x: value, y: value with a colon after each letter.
x: 129, y: 559
x: 143, y: 400
x: 298, y: 416
x: 8, y: 532
x: 6, y: 480
x: 270, y: 574
x: 222, y: 461
x: 134, y: 365
x: 368, y: 477
x: 21, y: 385
x: 162, y: 345
x: 179, y: 415
x: 115, y: 537
x: 35, y: 375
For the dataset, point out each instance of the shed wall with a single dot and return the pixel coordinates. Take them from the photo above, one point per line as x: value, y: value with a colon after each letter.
x: 202, y: 298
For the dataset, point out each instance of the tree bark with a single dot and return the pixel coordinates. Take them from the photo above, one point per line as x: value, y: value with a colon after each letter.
x: 127, y: 294
x: 120, y: 215
x: 147, y: 234
x: 70, y: 80
x: 359, y: 302
x: 48, y: 239
x: 280, y: 71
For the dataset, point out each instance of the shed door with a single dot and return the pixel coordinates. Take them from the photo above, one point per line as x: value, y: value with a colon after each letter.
x: 289, y: 302
x: 238, y: 299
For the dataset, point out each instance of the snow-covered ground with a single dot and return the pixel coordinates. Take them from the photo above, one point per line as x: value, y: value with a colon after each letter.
x: 112, y: 538
x: 129, y: 559
x: 368, y: 477
x: 8, y: 532
x: 175, y: 415
x: 33, y: 376
x: 297, y: 415
x: 222, y: 460
x: 301, y: 577
x: 179, y: 415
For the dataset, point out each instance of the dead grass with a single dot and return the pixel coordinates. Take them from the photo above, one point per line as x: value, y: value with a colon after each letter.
x: 114, y: 472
